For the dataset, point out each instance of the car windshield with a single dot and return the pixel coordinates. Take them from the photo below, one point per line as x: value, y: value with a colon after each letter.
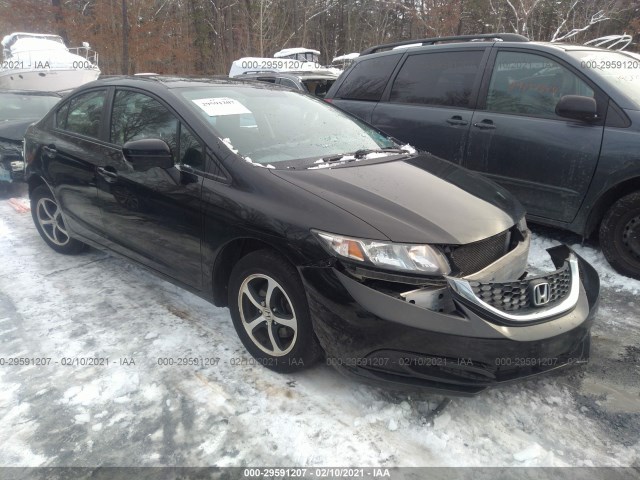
x: 618, y: 69
x: 24, y: 106
x: 268, y: 126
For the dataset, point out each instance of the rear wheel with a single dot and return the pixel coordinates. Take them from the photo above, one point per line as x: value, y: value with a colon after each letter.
x: 620, y: 235
x: 270, y: 312
x: 50, y: 224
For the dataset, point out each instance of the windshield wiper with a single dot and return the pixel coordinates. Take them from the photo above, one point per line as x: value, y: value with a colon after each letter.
x: 364, y: 152
x: 334, y: 158
x: 360, y: 154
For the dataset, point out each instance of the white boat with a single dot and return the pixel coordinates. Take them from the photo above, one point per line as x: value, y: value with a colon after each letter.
x: 33, y: 61
x: 298, y: 53
x: 297, y: 59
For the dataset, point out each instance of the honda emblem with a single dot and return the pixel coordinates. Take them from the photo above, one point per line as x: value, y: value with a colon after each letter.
x: 540, y: 294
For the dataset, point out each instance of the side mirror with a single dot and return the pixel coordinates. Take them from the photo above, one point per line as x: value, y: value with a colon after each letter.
x: 148, y: 153
x: 577, y: 107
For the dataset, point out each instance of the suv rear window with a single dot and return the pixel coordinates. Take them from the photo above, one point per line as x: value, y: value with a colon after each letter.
x: 367, y: 79
x: 444, y: 79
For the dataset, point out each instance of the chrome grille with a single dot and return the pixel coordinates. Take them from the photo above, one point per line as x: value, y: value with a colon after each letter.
x: 516, y: 296
x: 473, y: 257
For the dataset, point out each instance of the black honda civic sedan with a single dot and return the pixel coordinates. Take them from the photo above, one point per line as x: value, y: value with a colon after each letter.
x: 323, y: 236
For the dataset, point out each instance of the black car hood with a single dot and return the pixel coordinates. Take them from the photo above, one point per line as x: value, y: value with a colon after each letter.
x: 14, y: 130
x: 423, y: 199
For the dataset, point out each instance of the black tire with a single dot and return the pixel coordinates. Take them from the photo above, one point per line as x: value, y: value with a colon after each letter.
x: 49, y: 223
x: 620, y: 235
x: 288, y: 349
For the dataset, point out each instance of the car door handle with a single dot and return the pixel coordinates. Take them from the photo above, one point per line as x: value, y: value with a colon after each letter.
x: 457, y: 120
x: 108, y: 175
x: 485, y: 125
x: 50, y: 150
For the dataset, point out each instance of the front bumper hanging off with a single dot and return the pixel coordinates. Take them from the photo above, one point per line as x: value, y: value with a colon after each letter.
x: 11, y: 170
x: 462, y: 337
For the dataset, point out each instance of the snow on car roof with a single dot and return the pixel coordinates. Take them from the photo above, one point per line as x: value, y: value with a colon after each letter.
x: 346, y: 56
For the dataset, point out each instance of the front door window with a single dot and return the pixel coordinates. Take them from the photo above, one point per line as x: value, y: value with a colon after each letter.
x: 528, y: 84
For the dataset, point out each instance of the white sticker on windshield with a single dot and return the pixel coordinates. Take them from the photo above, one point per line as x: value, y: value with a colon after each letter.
x: 215, y: 107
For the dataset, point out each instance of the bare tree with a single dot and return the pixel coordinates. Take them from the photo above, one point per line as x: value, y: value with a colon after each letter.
x: 205, y: 36
x: 125, y: 39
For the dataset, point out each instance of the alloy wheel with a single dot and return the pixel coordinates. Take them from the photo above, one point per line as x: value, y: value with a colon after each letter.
x: 267, y: 315
x: 50, y: 220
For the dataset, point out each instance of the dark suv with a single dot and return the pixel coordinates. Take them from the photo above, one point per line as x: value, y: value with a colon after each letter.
x: 558, y: 125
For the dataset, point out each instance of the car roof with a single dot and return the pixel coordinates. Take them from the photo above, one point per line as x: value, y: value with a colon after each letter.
x: 34, y: 92
x: 301, y: 75
x: 161, y: 83
x: 568, y: 46
x: 469, y: 41
x: 166, y: 81
x: 170, y: 81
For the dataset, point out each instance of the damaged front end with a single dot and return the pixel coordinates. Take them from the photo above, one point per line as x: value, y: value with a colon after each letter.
x: 461, y: 333
x: 529, y: 299
x: 11, y: 163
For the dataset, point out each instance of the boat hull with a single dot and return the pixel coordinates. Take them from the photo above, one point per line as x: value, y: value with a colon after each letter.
x: 51, y: 80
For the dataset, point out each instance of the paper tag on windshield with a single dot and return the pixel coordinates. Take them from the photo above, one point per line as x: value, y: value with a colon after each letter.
x: 215, y: 107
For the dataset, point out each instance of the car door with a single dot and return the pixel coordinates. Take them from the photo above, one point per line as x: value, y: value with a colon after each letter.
x: 517, y: 139
x: 153, y: 215
x: 74, y: 148
x: 431, y: 101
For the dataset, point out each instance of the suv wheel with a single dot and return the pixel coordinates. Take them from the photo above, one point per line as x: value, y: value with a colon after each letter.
x: 270, y: 312
x: 48, y: 219
x: 620, y: 235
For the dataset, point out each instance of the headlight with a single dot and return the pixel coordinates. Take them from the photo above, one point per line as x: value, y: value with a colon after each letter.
x: 393, y: 256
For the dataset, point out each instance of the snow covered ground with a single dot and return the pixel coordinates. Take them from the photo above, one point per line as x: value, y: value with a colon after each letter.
x: 135, y: 412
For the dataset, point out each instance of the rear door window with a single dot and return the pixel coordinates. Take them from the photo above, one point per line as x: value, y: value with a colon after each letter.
x: 439, y: 79
x: 85, y: 113
x: 367, y: 79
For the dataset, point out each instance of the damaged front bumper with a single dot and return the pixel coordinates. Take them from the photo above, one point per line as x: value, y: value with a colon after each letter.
x: 464, y: 335
x: 11, y: 170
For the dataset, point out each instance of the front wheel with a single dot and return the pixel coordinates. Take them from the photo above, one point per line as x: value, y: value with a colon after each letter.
x: 50, y: 224
x: 270, y: 312
x: 620, y: 235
